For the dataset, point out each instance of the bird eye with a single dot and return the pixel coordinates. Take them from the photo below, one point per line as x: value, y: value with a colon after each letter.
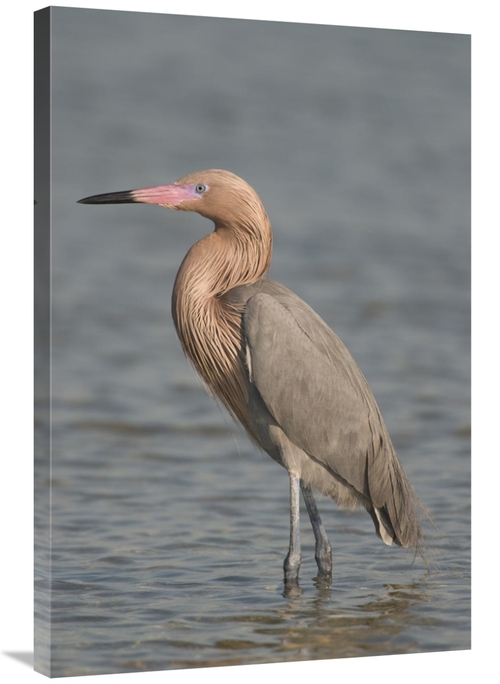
x: 200, y: 188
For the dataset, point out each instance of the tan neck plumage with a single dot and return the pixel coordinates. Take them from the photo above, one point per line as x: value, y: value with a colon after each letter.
x: 208, y: 325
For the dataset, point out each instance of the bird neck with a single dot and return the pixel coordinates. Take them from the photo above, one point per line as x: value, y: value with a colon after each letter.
x: 228, y: 257
x: 208, y: 324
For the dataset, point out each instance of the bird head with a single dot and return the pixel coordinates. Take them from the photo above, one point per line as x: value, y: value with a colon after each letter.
x: 219, y: 195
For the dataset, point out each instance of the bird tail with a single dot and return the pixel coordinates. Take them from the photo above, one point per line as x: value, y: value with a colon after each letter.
x: 398, y: 517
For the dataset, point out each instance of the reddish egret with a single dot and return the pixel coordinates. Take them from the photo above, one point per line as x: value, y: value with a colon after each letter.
x: 278, y: 368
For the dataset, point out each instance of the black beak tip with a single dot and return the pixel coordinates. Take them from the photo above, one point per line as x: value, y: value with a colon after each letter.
x: 109, y: 198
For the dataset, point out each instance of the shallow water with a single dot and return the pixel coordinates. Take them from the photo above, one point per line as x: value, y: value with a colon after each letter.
x: 168, y: 528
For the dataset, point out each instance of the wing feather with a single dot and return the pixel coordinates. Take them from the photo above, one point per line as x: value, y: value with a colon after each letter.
x: 305, y: 376
x: 317, y: 394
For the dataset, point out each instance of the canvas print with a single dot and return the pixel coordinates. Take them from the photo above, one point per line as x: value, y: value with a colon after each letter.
x: 252, y: 327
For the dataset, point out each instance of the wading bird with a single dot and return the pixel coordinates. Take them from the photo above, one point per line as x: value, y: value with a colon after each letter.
x: 278, y: 368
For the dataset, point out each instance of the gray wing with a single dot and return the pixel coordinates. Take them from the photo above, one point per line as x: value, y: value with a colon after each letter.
x: 314, y: 390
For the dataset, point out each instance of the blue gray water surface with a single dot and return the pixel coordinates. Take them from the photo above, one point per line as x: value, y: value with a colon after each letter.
x: 168, y: 527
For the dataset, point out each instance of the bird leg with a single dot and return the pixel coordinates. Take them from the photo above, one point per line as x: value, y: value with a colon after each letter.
x: 323, y: 552
x: 292, y: 561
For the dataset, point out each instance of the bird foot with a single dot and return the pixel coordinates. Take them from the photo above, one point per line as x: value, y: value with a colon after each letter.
x: 291, y: 566
x: 324, y: 561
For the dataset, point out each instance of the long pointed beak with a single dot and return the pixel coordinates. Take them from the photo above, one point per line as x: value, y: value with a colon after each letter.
x: 165, y: 195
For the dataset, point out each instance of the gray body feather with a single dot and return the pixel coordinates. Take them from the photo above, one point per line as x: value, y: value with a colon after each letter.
x: 315, y: 413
